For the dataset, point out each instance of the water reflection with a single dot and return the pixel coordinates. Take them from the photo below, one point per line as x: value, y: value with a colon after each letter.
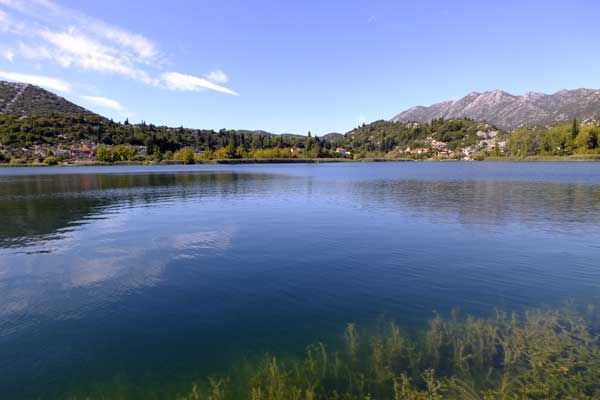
x: 485, y: 202
x: 42, y: 208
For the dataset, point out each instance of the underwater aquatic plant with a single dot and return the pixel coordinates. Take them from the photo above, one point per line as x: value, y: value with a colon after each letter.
x: 540, y: 354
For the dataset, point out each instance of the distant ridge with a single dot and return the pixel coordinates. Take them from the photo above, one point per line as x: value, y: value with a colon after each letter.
x: 24, y: 99
x: 508, y: 111
x: 333, y: 136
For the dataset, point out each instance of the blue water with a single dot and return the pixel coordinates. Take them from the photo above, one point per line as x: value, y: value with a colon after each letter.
x: 164, y: 273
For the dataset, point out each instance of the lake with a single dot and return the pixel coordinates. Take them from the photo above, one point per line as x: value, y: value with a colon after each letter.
x: 159, y: 274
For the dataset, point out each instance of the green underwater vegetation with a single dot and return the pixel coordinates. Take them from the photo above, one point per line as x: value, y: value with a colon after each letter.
x: 537, y: 354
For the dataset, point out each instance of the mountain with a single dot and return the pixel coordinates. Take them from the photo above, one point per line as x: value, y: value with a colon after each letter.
x: 332, y: 137
x: 509, y: 111
x: 23, y: 99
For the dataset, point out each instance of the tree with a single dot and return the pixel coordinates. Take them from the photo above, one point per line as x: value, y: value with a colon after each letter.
x: 574, y: 129
x: 520, y: 143
x: 587, y: 139
x: 186, y: 156
x: 592, y: 140
x: 230, y: 150
x: 103, y: 154
x: 317, y: 148
x: 51, y: 160
x: 308, y: 144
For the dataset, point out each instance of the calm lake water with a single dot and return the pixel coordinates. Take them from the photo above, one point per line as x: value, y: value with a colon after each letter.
x: 158, y: 274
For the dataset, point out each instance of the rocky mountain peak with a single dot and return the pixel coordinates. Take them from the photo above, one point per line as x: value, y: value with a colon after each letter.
x: 509, y: 111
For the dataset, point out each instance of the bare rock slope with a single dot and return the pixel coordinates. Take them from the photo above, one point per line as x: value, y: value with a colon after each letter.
x: 508, y: 111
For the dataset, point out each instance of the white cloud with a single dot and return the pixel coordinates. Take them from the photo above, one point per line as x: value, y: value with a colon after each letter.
x: 44, y: 81
x: 103, y: 102
x: 75, y: 48
x: 141, y: 45
x: 184, y: 82
x: 15, y: 4
x: 4, y: 21
x: 94, y: 45
x: 8, y: 25
x: 34, y: 52
x: 48, y: 11
x: 217, y: 76
x: 9, y: 55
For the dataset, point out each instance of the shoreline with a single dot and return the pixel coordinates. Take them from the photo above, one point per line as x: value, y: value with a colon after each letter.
x: 209, y: 162
x: 250, y: 161
x: 571, y: 158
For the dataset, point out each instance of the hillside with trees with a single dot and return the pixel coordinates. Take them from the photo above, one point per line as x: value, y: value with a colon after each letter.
x: 560, y: 140
x: 38, y: 126
x: 82, y: 136
x: 448, y: 138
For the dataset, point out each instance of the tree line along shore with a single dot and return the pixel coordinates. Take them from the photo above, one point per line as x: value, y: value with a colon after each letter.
x: 89, y: 139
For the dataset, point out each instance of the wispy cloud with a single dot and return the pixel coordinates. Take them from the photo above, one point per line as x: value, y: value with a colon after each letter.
x: 44, y: 81
x: 217, y: 76
x: 8, y: 25
x: 75, y: 48
x: 52, y: 33
x: 9, y: 55
x: 178, y: 81
x: 103, y: 102
x: 49, y: 12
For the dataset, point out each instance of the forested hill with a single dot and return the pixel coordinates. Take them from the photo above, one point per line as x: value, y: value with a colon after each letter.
x: 36, y: 126
x: 32, y: 117
x: 57, y: 129
x: 385, y: 136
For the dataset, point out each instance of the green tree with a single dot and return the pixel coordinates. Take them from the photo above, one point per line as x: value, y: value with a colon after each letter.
x: 185, y: 155
x: 587, y: 140
x: 574, y: 129
x: 519, y: 143
x: 230, y: 150
x: 592, y: 140
x: 51, y: 160
x: 308, y: 144
x: 103, y: 154
x: 123, y: 153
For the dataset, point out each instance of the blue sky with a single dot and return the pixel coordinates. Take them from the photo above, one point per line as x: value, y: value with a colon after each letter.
x: 293, y: 66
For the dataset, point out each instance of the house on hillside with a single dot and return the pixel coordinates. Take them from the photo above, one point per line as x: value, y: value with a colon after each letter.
x: 342, y: 151
x: 445, y: 154
x: 82, y: 151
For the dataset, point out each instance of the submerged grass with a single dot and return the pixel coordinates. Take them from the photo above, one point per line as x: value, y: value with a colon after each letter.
x: 539, y: 354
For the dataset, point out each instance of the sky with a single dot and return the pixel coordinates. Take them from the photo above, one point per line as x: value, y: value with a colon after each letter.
x: 292, y: 66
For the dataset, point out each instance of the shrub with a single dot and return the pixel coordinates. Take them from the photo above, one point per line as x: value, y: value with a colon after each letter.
x: 51, y: 160
x: 185, y: 155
